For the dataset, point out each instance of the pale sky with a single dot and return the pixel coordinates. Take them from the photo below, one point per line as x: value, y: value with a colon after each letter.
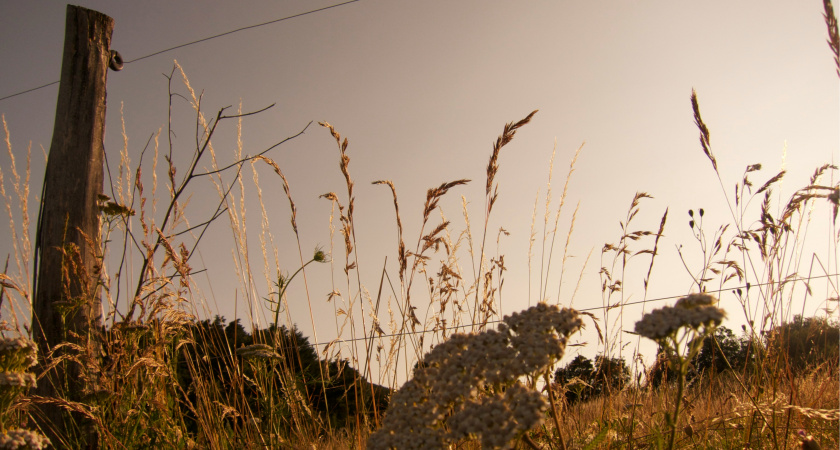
x: 422, y: 89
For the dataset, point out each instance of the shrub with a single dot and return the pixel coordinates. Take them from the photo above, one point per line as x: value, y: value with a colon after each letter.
x: 801, y: 345
x: 712, y: 359
x: 585, y: 380
x: 243, y: 365
x: 805, y: 343
x: 724, y: 347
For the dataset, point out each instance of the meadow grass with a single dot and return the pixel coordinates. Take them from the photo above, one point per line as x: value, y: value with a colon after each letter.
x: 425, y: 357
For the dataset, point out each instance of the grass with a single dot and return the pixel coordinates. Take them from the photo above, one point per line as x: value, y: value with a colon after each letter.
x: 154, y: 374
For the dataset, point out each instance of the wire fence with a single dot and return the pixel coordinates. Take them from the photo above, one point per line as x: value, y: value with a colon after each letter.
x: 215, y: 36
x: 594, y: 308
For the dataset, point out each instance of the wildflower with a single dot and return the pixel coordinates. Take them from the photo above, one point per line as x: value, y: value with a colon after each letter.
x: 695, y: 311
x: 23, y: 439
x: 694, y: 300
x: 319, y: 255
x: 17, y: 379
x: 698, y: 317
x: 454, y: 384
x: 18, y: 353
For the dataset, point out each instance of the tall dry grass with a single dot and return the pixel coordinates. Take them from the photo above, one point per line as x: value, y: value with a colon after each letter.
x: 161, y: 377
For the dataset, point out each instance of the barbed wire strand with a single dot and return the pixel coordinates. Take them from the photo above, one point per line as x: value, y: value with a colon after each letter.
x: 29, y: 90
x: 199, y: 41
x: 594, y: 308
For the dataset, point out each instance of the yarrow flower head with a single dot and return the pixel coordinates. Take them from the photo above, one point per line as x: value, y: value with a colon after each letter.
x: 17, y: 354
x: 17, y: 379
x: 696, y: 300
x: 19, y: 439
x: 449, y: 382
x: 498, y: 419
x: 694, y: 311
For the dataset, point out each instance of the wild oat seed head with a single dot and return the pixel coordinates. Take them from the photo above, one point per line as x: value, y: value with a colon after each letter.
x: 257, y: 351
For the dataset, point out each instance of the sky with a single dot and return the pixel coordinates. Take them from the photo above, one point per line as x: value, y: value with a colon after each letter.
x: 422, y: 90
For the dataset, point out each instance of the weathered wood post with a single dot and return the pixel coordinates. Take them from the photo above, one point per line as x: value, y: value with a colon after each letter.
x: 67, y: 305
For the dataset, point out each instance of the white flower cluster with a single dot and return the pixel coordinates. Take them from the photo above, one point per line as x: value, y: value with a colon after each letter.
x: 539, y: 334
x: 16, y: 356
x: 17, y: 353
x: 23, y: 439
x: 696, y: 300
x: 694, y: 311
x: 15, y: 343
x: 498, y: 419
x: 448, y: 382
x: 17, y: 379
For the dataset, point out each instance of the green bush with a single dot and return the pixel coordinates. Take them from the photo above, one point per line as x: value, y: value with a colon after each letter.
x: 806, y: 343
x: 585, y: 379
x: 800, y: 345
x: 216, y: 355
x: 713, y: 356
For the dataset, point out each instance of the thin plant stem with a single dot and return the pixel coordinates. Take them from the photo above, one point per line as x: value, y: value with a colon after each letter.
x: 530, y: 442
x: 554, y: 413
x: 680, y: 387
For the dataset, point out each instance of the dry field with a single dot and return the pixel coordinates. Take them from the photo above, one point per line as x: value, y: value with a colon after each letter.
x: 159, y: 371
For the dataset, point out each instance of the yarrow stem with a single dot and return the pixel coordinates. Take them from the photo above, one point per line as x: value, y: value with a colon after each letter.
x: 554, y: 412
x: 680, y: 330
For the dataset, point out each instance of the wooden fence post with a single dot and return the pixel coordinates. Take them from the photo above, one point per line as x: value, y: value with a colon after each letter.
x: 67, y: 306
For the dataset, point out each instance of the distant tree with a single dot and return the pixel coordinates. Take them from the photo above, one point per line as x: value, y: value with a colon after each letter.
x: 585, y: 379
x: 806, y: 343
x: 573, y: 378
x: 723, y: 347
x: 799, y: 346
x: 717, y: 349
x: 661, y: 371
